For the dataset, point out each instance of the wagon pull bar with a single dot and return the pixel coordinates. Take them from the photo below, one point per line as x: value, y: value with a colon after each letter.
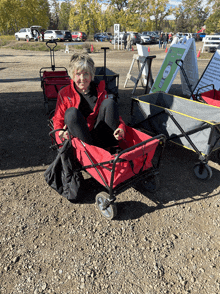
x: 52, y: 47
x: 184, y: 74
x: 105, y: 48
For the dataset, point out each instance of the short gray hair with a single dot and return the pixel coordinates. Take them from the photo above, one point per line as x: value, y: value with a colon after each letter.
x: 80, y: 61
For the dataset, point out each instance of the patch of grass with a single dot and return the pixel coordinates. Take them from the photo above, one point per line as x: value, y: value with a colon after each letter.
x: 7, y: 37
x: 205, y: 55
x: 5, y: 40
x: 34, y: 46
x: 11, y: 42
x: 4, y: 43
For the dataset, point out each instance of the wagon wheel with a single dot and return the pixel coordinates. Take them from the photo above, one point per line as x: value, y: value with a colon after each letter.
x: 202, y: 171
x: 109, y: 212
x: 151, y: 184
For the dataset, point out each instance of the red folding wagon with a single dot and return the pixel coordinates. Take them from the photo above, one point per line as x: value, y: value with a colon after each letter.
x: 211, y: 97
x: 52, y: 78
x: 137, y: 161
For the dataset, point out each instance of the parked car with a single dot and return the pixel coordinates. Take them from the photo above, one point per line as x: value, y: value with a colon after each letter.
x: 28, y: 34
x: 108, y: 34
x: 153, y: 36
x: 53, y: 35
x: 145, y: 39
x: 195, y: 36
x: 101, y: 37
x: 156, y: 37
x: 79, y: 36
x: 201, y: 36
x: 135, y: 37
x: 67, y: 36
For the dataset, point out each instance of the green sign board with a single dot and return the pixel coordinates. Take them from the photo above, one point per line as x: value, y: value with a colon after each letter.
x: 168, y: 70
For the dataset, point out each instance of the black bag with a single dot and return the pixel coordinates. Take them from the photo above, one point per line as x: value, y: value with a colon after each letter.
x: 62, y: 174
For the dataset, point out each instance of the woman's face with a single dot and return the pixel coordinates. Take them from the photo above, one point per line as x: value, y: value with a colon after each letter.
x: 82, y: 79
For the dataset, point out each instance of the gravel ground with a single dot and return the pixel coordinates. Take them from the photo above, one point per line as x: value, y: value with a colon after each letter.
x: 166, y: 242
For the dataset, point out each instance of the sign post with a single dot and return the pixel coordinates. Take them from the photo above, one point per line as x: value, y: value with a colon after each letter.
x: 116, y: 33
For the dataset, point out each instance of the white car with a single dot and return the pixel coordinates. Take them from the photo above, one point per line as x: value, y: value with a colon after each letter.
x: 53, y: 35
x: 145, y: 39
x: 28, y: 34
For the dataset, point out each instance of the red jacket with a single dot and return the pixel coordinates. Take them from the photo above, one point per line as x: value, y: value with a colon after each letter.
x: 69, y: 97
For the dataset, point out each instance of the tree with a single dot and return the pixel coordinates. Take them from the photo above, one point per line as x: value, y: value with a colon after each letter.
x: 16, y: 14
x: 9, y: 20
x: 119, y: 5
x: 190, y: 15
x: 85, y: 15
x: 213, y: 22
x: 159, y: 11
x: 181, y: 21
x: 64, y: 15
x: 55, y: 11
x: 141, y: 15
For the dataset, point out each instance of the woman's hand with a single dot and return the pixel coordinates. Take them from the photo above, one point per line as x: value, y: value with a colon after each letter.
x: 63, y: 134
x: 119, y: 134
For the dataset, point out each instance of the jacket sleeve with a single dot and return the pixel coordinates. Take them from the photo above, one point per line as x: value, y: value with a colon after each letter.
x: 58, y: 119
x: 60, y: 110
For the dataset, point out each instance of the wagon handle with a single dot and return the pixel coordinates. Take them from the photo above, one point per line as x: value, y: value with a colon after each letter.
x: 199, y: 89
x: 52, y: 47
x: 105, y: 48
x: 178, y: 61
x: 51, y: 42
x: 184, y: 74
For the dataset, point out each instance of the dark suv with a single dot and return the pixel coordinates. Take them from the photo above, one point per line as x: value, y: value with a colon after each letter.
x: 67, y: 36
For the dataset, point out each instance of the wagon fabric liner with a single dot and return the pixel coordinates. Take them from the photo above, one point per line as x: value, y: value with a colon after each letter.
x: 130, y: 164
x: 201, y: 122
x: 53, y: 81
x: 211, y: 97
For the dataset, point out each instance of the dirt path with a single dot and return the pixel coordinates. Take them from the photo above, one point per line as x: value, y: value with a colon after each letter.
x: 167, y: 242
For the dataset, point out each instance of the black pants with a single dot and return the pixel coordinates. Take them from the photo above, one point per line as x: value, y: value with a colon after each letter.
x: 106, y: 123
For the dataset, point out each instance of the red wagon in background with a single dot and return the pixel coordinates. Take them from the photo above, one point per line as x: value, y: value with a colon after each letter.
x: 52, y: 78
x: 211, y: 97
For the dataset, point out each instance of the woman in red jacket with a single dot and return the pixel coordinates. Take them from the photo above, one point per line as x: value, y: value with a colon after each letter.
x: 84, y: 109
